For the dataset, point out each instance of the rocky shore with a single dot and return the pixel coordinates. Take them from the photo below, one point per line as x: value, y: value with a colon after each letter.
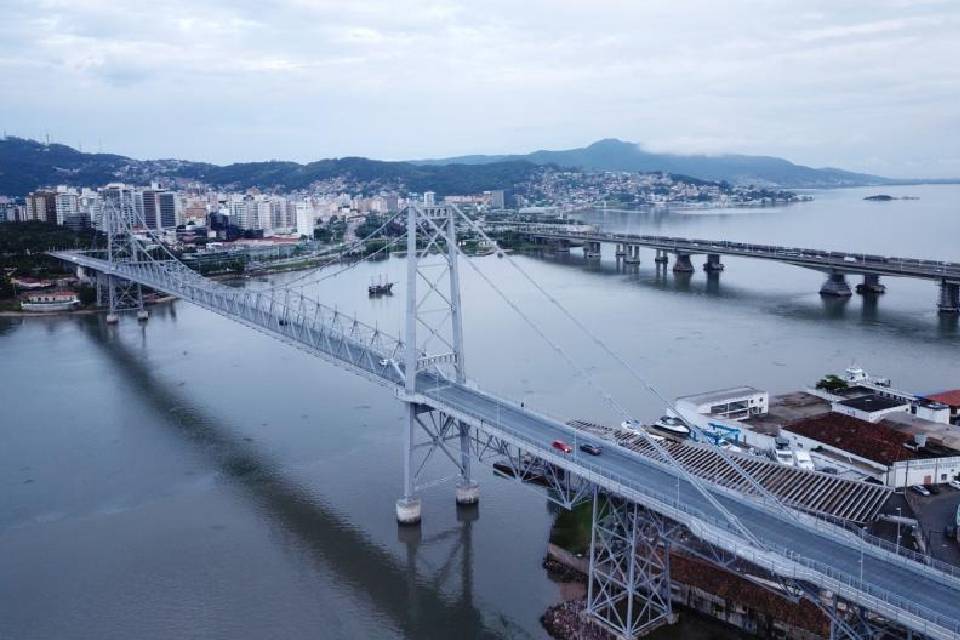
x: 565, y: 621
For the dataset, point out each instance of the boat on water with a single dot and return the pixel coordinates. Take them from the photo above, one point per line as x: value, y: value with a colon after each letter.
x: 381, y: 287
x: 55, y: 301
x: 638, y: 428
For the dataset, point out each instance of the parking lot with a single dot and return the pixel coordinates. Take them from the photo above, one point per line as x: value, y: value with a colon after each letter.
x: 934, y: 513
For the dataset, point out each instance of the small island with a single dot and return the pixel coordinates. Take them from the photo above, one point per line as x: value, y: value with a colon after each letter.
x: 885, y: 198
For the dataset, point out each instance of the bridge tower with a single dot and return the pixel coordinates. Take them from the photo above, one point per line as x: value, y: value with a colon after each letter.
x: 628, y: 588
x: 119, y: 294
x: 432, y: 258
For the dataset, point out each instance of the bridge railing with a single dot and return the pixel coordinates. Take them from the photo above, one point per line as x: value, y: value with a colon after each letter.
x: 280, y: 311
x: 693, y: 245
x: 880, y: 600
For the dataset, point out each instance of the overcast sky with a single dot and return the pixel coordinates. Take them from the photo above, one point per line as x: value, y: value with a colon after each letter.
x: 868, y: 86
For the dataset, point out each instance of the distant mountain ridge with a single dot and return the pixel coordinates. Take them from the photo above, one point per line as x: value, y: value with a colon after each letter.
x: 616, y: 155
x: 26, y: 165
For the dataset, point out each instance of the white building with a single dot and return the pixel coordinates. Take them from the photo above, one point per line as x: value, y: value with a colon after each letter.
x: 735, y: 403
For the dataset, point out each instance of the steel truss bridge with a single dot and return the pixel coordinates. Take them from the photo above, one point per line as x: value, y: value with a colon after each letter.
x: 642, y: 505
x: 836, y: 264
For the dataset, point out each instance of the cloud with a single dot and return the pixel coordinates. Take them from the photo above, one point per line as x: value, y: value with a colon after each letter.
x: 814, y: 80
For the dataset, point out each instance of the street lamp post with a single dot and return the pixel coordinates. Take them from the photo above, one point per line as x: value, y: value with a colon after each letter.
x: 898, y: 529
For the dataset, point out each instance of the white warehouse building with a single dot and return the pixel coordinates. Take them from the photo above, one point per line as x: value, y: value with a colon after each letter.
x: 735, y: 403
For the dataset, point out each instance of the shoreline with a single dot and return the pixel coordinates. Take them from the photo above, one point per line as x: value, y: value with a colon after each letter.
x: 76, y: 312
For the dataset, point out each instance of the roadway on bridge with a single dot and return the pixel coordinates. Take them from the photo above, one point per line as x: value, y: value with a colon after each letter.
x: 818, y: 259
x: 911, y: 586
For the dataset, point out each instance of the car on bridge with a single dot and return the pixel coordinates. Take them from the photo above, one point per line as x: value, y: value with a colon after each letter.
x: 560, y: 445
x: 592, y: 449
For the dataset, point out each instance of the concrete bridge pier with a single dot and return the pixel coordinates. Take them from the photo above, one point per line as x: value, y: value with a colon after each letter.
x: 621, y: 250
x: 871, y: 284
x: 713, y: 263
x: 661, y: 257
x: 949, y: 298
x: 682, y: 264
x: 591, y: 250
x: 836, y: 285
x: 633, y: 254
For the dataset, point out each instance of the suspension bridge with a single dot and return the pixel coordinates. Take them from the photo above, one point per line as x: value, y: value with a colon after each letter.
x: 642, y: 505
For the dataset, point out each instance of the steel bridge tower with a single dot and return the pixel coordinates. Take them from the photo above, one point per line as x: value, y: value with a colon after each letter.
x: 120, y: 294
x: 432, y: 259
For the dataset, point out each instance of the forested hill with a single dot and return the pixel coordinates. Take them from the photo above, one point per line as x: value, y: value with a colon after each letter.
x: 26, y: 165
x: 618, y: 155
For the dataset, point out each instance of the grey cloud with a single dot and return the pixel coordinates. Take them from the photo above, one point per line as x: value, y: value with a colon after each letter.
x: 819, y: 82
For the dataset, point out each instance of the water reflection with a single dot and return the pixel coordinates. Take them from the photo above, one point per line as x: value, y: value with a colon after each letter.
x: 409, y: 592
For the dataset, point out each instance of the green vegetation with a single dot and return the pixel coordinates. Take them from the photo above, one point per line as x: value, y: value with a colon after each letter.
x: 23, y: 246
x: 87, y: 295
x: 28, y: 164
x: 571, y: 530
x: 832, y: 382
x: 6, y: 287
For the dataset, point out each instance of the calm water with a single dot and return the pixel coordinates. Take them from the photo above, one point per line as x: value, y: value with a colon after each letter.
x: 194, y: 479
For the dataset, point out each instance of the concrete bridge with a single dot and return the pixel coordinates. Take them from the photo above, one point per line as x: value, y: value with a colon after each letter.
x: 642, y: 504
x: 837, y: 265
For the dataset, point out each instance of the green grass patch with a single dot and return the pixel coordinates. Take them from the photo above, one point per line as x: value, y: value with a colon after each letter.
x: 571, y: 530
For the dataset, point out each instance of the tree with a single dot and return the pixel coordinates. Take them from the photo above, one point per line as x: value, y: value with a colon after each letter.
x: 832, y: 382
x: 6, y: 288
x: 87, y: 295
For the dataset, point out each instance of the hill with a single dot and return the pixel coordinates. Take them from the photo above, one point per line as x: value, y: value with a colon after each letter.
x: 617, y: 155
x: 26, y: 165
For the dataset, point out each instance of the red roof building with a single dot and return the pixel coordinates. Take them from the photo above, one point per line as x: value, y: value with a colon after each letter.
x: 951, y: 399
x: 868, y: 440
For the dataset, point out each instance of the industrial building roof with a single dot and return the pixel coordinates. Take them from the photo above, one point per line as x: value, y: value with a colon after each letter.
x: 720, y: 395
x: 950, y: 398
x: 872, y: 402
x: 875, y: 442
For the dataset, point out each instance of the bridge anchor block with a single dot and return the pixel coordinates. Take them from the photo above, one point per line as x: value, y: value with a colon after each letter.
x: 468, y: 493
x: 408, y: 511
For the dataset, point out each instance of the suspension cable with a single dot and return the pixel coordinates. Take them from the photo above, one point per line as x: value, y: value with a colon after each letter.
x: 626, y: 365
x: 611, y: 401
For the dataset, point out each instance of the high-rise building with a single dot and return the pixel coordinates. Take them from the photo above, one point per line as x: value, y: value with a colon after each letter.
x: 150, y: 208
x: 42, y: 206
x: 121, y: 197
x: 428, y: 198
x: 497, y: 199
x: 168, y: 209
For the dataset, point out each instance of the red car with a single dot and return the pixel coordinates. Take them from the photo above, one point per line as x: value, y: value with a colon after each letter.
x: 562, y: 446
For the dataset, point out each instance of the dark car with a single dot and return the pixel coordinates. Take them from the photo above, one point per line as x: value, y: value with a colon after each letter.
x: 592, y: 449
x: 932, y: 488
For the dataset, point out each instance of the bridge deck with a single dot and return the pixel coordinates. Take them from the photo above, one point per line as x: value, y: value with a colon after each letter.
x: 818, y: 259
x: 918, y: 596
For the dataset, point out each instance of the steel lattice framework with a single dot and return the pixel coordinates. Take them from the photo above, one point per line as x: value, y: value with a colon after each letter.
x: 641, y: 505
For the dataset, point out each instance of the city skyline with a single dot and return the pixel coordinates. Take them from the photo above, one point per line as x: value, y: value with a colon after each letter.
x: 863, y: 89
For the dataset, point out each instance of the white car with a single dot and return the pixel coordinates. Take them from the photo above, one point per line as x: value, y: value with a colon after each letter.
x: 954, y: 484
x: 920, y: 489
